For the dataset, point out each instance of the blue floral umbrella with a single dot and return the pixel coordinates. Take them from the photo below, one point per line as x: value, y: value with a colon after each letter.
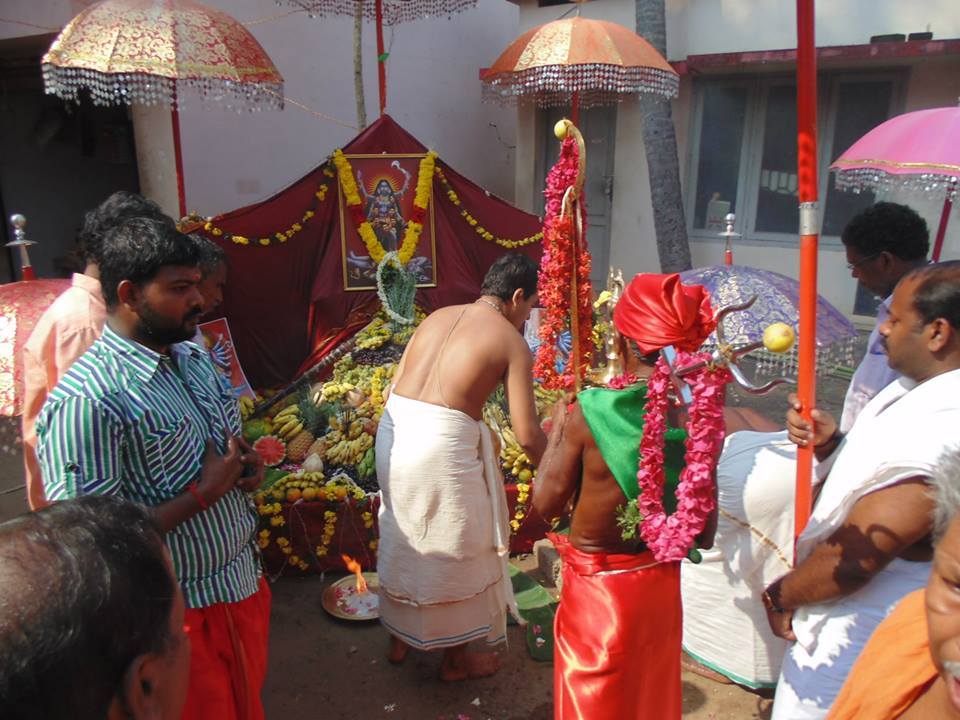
x: 777, y: 300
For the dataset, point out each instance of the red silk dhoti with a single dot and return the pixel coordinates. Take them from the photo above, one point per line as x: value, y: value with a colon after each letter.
x: 617, y: 636
x: 228, y: 658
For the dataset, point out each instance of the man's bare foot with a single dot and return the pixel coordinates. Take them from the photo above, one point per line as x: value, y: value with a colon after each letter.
x: 466, y: 665
x: 398, y: 650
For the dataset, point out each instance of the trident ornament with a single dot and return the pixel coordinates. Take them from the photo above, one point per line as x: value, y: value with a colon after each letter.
x: 777, y: 338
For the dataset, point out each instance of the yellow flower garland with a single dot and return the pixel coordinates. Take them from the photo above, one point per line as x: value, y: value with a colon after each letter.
x: 477, y: 227
x: 411, y: 236
x: 278, y: 237
x: 520, y: 511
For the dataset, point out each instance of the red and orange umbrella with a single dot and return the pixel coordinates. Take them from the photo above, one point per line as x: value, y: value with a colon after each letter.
x: 158, y: 52
x: 578, y: 60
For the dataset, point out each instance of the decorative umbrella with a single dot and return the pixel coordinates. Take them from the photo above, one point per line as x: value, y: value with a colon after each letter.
x: 156, y: 51
x: 916, y: 151
x: 392, y: 12
x: 389, y: 12
x: 778, y: 300
x: 21, y: 305
x: 579, y: 61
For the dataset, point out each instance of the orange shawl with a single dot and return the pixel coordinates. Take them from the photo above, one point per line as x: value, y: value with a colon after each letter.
x: 893, y: 669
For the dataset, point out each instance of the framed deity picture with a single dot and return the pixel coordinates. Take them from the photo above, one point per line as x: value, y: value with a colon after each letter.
x: 387, y: 185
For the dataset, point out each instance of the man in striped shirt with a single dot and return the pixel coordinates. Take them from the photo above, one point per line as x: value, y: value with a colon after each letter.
x: 146, y: 416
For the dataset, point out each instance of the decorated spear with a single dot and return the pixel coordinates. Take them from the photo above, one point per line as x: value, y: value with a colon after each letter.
x: 564, y: 284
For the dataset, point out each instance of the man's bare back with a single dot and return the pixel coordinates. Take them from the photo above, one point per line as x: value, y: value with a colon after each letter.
x: 456, y: 359
x: 460, y: 354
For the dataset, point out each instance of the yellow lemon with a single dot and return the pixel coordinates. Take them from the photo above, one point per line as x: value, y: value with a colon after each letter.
x: 525, y: 475
x: 560, y: 129
x: 778, y: 337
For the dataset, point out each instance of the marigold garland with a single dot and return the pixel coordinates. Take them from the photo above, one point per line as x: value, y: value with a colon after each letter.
x: 411, y: 235
x: 278, y: 237
x: 556, y: 276
x: 671, y: 537
x: 521, y: 509
x: 475, y: 224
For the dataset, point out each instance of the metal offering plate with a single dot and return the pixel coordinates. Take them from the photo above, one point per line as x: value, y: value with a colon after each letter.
x: 341, y: 599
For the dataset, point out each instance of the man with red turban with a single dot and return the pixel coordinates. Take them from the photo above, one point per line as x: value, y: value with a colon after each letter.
x: 618, y: 627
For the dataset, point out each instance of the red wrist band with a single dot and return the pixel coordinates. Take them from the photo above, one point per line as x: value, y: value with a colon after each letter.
x: 192, y: 487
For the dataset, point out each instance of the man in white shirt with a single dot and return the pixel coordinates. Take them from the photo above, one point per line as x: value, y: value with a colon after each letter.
x: 867, y: 543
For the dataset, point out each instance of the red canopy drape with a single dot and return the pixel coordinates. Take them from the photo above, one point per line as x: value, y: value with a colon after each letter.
x: 286, y: 304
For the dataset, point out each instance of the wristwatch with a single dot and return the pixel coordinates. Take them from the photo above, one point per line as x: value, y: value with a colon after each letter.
x: 769, y: 603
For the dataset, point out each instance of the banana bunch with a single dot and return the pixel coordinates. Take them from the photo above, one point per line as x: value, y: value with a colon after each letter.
x: 368, y: 464
x: 515, y: 460
x: 349, y: 452
x: 545, y: 399
x: 355, y: 429
x: 334, y: 390
x: 374, y: 335
x: 246, y: 406
x: 288, y: 422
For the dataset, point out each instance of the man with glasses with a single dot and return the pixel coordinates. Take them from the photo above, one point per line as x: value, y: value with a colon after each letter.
x: 882, y: 244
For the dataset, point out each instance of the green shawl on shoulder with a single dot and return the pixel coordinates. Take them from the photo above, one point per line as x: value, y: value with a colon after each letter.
x: 615, y: 419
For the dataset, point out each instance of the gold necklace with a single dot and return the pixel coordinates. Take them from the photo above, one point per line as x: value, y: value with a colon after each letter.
x: 493, y: 305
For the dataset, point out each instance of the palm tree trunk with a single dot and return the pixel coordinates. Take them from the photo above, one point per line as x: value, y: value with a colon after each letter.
x: 660, y: 144
x: 358, y: 65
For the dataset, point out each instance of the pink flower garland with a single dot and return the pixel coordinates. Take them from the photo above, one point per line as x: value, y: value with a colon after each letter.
x: 556, y: 274
x: 671, y: 537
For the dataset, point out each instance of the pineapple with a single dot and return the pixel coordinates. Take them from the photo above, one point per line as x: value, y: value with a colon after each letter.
x: 299, y: 446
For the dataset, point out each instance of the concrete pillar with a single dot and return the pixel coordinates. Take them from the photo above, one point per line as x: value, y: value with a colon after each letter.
x: 156, y: 163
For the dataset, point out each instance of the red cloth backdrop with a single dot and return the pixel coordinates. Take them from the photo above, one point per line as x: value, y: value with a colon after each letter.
x: 304, y: 523
x: 286, y: 303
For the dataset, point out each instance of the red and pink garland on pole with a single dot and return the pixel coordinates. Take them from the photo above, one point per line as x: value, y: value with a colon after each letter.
x: 561, y: 259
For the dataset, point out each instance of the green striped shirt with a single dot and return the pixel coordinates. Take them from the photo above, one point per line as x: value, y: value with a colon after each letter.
x: 126, y: 420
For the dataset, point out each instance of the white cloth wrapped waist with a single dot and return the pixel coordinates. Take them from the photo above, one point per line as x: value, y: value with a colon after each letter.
x: 444, y: 533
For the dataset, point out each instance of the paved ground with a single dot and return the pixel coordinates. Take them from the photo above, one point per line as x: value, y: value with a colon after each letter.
x: 324, y: 668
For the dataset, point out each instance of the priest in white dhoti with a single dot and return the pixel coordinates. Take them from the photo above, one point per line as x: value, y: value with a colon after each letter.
x: 444, y: 528
x: 867, y: 543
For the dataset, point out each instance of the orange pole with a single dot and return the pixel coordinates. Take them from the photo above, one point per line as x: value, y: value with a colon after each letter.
x: 381, y: 60
x: 809, y: 231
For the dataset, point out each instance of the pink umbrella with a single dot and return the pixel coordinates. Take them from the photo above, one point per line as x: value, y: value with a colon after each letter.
x: 914, y: 151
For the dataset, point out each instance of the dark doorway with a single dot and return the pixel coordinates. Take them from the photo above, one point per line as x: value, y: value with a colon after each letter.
x: 57, y: 159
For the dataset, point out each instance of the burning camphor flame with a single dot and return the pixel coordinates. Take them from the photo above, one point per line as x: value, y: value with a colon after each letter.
x: 354, y: 567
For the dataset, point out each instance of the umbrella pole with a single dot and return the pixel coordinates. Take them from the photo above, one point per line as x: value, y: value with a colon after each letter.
x: 178, y: 157
x: 381, y: 57
x: 809, y: 229
x: 575, y: 108
x: 944, y: 219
